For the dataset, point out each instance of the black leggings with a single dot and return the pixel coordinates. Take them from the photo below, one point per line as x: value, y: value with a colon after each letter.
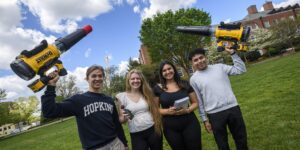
x: 183, y: 132
x: 146, y: 139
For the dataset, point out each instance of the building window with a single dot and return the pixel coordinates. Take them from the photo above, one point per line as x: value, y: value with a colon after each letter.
x: 282, y: 19
x: 8, y: 127
x: 4, y: 128
x: 267, y: 24
x: 0, y: 129
x: 277, y: 21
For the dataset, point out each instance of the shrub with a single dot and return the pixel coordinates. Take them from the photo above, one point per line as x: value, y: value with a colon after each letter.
x: 274, y: 51
x: 252, y: 55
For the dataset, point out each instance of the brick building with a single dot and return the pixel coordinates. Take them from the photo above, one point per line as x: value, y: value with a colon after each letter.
x: 255, y: 19
x: 269, y: 15
x: 144, y: 56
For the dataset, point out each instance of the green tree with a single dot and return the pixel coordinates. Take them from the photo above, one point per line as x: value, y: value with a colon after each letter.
x: 2, y: 94
x: 66, y: 86
x: 151, y: 73
x: 132, y: 64
x: 23, y: 108
x: 4, y: 113
x: 214, y: 56
x: 4, y: 109
x: 286, y: 32
x: 260, y: 38
x: 164, y: 42
x: 117, y: 82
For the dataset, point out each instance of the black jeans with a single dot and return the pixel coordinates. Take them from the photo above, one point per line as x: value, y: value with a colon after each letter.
x: 146, y: 139
x: 232, y: 118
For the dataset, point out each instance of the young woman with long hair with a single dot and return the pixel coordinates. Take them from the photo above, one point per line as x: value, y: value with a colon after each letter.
x: 180, y: 125
x: 138, y: 108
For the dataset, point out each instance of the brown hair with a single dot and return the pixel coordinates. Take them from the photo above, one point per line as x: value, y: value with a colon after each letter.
x: 93, y: 68
x: 149, y: 97
x: 177, y: 78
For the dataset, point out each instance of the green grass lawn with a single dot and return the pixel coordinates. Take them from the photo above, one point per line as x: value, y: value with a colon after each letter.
x: 269, y: 96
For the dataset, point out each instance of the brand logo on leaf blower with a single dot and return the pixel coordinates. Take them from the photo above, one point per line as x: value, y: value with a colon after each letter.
x: 44, y: 57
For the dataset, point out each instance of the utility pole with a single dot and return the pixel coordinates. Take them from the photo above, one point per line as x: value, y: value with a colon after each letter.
x: 107, y: 71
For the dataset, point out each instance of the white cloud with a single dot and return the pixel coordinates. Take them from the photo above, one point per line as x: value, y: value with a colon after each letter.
x: 87, y: 53
x: 131, y: 2
x: 165, y: 5
x: 286, y: 3
x: 26, y: 38
x: 227, y: 20
x: 63, y: 15
x: 9, y: 14
x: 282, y: 4
x: 79, y: 73
x: 10, y: 32
x: 136, y: 9
x: 15, y: 86
x: 123, y: 66
x: 135, y: 58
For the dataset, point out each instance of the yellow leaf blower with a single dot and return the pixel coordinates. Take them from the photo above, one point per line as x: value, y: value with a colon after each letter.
x: 233, y: 33
x: 45, y: 56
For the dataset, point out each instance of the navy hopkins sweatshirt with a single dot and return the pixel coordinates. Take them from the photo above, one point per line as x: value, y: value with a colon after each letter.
x: 96, y: 116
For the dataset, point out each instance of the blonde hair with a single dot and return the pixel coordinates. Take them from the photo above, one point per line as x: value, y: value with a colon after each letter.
x: 149, y: 97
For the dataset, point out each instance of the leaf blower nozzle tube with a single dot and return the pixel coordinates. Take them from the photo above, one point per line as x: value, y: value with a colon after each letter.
x: 202, y: 30
x: 234, y: 33
x: 65, y: 43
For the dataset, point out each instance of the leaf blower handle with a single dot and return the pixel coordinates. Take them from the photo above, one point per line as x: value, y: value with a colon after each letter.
x: 40, y: 83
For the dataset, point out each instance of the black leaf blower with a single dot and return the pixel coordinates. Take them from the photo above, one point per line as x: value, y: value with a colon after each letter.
x: 45, y: 56
x: 233, y: 33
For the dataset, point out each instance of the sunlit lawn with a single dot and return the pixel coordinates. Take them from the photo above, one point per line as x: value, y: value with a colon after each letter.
x: 269, y: 96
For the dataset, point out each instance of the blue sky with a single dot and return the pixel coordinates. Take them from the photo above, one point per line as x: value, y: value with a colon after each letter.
x: 116, y: 25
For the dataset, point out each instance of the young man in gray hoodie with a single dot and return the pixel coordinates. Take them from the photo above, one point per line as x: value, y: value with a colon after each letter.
x: 218, y: 106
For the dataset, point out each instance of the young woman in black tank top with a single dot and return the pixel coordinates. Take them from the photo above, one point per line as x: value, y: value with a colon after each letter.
x: 180, y: 126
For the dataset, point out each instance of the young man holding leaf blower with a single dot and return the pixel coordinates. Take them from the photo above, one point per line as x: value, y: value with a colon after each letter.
x: 216, y: 98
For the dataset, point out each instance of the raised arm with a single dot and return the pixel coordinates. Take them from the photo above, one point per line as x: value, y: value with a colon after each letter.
x: 50, y: 108
x: 238, y: 67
